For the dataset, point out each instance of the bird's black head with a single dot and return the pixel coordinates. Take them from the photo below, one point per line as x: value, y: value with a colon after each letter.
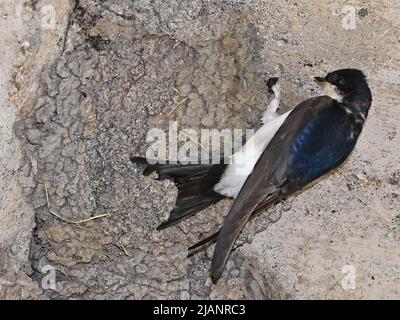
x: 348, y: 86
x: 347, y: 80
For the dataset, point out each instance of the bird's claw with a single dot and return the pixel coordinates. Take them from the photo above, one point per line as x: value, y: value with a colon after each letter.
x: 271, y: 82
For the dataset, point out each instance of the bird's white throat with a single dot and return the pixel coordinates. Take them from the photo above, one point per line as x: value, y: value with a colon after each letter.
x: 330, y: 90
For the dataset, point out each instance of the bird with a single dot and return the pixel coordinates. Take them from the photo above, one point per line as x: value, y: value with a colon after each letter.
x: 285, y: 155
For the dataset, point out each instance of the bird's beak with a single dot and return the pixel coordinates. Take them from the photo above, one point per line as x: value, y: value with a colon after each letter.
x: 320, y: 81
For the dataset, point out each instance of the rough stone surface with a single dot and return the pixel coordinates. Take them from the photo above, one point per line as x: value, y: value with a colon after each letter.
x: 26, y: 47
x: 124, y: 67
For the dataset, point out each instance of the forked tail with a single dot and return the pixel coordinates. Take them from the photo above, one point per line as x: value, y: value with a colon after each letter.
x: 195, y: 184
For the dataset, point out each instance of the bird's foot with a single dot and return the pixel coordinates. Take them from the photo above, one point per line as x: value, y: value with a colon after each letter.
x: 271, y: 83
x: 274, y: 88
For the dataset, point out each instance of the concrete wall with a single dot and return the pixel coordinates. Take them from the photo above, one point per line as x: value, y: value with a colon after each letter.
x: 83, y: 82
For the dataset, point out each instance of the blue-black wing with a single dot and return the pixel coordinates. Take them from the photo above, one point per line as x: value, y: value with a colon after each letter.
x: 312, y: 140
x: 322, y: 145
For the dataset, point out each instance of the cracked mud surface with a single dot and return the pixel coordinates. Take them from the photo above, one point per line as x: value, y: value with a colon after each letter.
x: 98, y: 100
x: 128, y: 66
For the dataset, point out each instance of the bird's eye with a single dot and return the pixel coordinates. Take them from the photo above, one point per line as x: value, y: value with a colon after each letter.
x: 340, y: 81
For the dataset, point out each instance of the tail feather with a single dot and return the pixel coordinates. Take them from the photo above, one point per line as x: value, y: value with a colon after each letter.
x: 203, y: 242
x: 195, y: 184
x: 212, y: 238
x: 181, y: 213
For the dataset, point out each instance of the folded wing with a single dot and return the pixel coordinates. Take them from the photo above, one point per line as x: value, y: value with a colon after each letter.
x: 293, y: 158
